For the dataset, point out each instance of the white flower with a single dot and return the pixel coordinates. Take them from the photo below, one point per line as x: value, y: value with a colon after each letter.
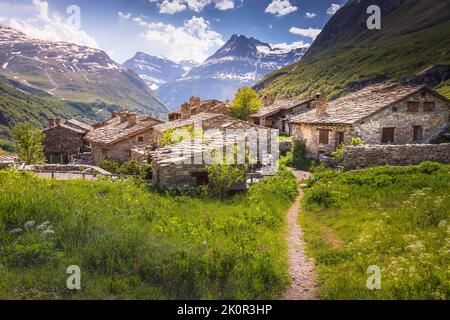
x: 442, y: 223
x: 47, y: 232
x: 43, y: 226
x: 29, y: 224
x: 17, y: 230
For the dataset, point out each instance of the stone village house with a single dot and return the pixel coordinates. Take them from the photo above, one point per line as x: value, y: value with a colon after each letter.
x: 204, y: 121
x: 175, y: 166
x: 116, y: 137
x: 276, y: 114
x: 196, y: 106
x: 378, y: 114
x: 62, y: 140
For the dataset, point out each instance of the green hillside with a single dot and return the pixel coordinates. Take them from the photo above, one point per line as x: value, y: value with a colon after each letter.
x: 17, y: 106
x: 346, y: 56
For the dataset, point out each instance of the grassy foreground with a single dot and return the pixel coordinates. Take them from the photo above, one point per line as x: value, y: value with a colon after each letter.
x: 394, y: 218
x: 133, y: 243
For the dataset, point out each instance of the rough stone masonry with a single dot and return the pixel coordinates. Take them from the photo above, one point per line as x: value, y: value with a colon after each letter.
x: 356, y: 157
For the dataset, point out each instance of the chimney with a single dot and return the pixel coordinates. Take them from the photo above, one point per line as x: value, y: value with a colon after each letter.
x: 267, y: 100
x: 123, y: 116
x: 185, y: 111
x: 320, y: 102
x: 132, y: 118
x: 52, y: 121
x: 195, y: 102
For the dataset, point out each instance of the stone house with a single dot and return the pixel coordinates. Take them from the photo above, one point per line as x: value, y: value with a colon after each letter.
x: 116, y: 137
x: 184, y: 165
x: 378, y: 114
x: 276, y: 114
x: 62, y: 140
x: 196, y: 106
x: 204, y: 121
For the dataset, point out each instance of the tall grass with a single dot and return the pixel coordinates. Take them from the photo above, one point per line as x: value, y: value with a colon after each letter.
x: 133, y: 243
x: 395, y: 218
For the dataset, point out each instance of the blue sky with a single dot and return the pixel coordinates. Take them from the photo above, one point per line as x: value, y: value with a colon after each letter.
x: 176, y: 29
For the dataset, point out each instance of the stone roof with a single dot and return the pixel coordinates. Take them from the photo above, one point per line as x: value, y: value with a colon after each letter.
x: 186, y: 122
x: 65, y: 126
x: 9, y: 158
x: 279, y: 105
x: 78, y: 124
x: 357, y: 106
x: 176, y: 153
x: 114, y: 130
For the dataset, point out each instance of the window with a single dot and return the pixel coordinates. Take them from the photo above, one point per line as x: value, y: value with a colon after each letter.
x: 428, y: 106
x: 140, y: 139
x: 323, y: 136
x: 394, y: 109
x: 387, y: 135
x: 413, y: 106
x: 339, y: 138
x: 417, y: 133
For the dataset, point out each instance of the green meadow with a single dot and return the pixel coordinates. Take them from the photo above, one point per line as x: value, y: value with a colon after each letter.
x: 134, y: 243
x: 391, y: 217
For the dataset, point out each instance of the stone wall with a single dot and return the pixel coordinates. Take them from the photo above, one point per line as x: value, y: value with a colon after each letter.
x: 395, y: 155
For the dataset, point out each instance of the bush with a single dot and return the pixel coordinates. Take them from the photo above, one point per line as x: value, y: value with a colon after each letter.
x: 299, y: 160
x: 221, y: 178
x: 131, y: 168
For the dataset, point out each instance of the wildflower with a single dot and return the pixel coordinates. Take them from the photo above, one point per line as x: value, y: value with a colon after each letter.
x: 263, y: 248
x: 442, y: 223
x: 29, y: 224
x: 43, y: 226
x: 47, y: 232
x: 16, y: 230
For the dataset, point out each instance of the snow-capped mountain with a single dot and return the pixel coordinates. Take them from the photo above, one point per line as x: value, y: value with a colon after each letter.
x: 73, y: 72
x: 241, y: 61
x: 155, y: 71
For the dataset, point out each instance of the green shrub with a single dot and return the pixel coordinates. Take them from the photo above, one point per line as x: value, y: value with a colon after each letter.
x: 221, y: 178
x: 299, y: 160
x: 132, y: 168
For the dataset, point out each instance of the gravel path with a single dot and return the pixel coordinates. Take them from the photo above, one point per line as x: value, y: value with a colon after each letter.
x: 301, y: 269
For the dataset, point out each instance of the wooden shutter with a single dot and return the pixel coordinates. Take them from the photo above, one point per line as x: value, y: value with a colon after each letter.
x: 428, y: 106
x: 387, y: 135
x: 413, y: 106
x: 323, y: 136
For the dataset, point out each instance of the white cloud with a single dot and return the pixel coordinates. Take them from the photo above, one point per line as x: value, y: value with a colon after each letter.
x: 171, y: 7
x: 51, y: 27
x: 194, y: 40
x: 280, y: 7
x: 124, y: 16
x: 290, y: 46
x: 310, y: 32
x: 175, y: 6
x: 224, y: 4
x: 333, y: 8
x: 310, y: 15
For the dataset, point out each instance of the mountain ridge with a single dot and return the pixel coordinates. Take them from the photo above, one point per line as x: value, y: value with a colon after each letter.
x: 240, y: 61
x: 414, y: 36
x: 73, y: 72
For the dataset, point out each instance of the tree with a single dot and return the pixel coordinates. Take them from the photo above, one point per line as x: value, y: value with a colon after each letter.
x: 246, y: 102
x: 223, y: 177
x: 29, y: 143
